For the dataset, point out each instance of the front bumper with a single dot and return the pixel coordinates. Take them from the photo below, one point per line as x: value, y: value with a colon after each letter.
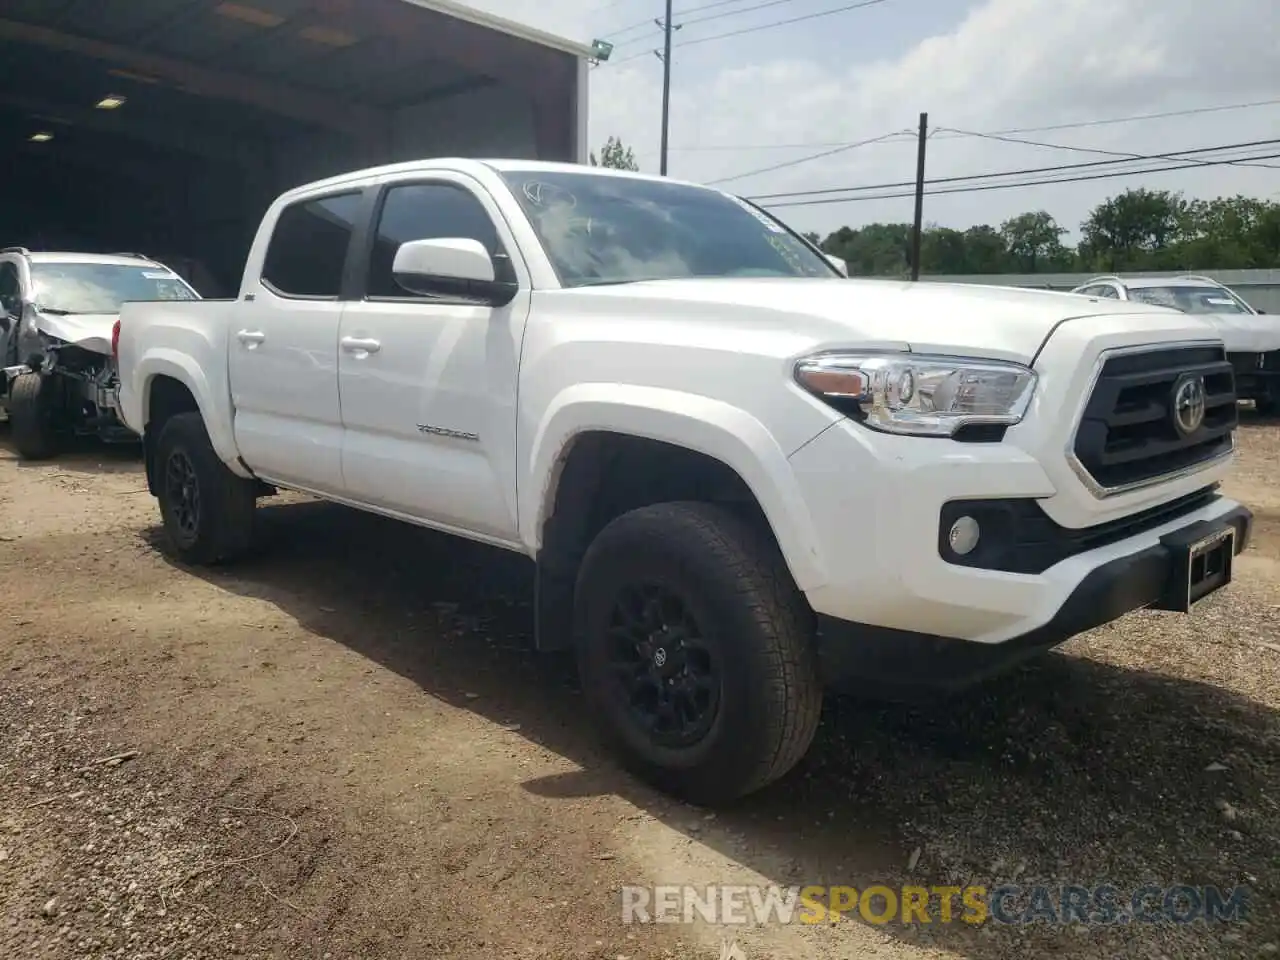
x: 891, y: 658
x: 1257, y: 375
x: 878, y: 539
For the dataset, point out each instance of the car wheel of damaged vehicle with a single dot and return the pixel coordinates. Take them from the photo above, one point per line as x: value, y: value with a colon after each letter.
x: 208, y: 511
x: 696, y: 651
x: 33, y: 408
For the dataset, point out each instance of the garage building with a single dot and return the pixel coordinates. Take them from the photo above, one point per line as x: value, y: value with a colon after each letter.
x: 167, y: 126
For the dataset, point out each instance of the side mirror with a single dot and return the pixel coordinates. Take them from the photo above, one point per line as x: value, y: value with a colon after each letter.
x: 838, y: 263
x: 453, y: 267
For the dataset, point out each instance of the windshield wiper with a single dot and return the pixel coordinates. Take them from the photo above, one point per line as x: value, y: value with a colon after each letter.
x: 59, y: 312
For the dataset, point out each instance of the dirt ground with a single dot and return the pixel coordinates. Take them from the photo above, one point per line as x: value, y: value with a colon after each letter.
x: 343, y: 749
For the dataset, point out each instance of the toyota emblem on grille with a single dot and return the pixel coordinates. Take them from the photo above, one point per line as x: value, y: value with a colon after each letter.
x: 1188, y: 404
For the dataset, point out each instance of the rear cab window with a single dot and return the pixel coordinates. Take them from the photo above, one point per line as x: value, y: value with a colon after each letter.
x: 308, y: 248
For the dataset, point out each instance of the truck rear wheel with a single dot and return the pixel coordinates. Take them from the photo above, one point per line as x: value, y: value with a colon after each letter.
x: 33, y: 406
x: 696, y: 651
x: 208, y: 511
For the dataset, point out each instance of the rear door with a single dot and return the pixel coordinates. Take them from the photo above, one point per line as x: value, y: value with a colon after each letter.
x: 428, y: 385
x: 283, y: 345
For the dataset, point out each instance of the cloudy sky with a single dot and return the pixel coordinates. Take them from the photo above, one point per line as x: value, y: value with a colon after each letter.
x: 782, y: 93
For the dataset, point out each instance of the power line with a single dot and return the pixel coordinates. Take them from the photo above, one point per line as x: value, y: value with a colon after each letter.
x: 791, y: 163
x: 698, y: 9
x: 784, y: 23
x: 1171, y: 155
x: 762, y: 26
x: 1146, y: 116
x: 1008, y: 186
x: 1078, y: 149
x: 997, y: 133
x: 1082, y: 150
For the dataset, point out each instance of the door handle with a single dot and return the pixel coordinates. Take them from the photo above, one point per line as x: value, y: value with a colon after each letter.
x: 360, y: 345
x: 251, y: 337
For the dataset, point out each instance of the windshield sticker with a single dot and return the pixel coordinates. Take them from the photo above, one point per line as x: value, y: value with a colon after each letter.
x: 548, y: 195
x: 1220, y: 301
x: 160, y: 276
x: 769, y: 224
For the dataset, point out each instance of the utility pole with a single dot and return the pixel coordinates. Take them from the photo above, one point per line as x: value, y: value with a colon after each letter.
x: 918, y: 224
x: 666, y: 85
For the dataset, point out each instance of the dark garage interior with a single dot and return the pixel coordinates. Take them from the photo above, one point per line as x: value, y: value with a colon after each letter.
x: 166, y: 127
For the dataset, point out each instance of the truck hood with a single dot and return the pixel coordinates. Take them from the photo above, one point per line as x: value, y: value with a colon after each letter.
x: 90, y: 331
x: 1246, y: 332
x: 959, y: 318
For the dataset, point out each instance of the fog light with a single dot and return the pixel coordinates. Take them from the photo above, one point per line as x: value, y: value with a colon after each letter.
x: 963, y: 536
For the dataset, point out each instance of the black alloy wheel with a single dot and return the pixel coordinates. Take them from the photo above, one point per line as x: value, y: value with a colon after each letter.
x: 182, y: 493
x: 665, y: 672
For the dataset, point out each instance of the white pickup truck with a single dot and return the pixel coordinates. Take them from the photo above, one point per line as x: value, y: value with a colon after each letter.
x: 742, y: 477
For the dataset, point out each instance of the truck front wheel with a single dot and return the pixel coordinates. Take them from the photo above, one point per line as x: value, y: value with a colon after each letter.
x: 208, y: 511
x: 33, y: 408
x: 696, y: 651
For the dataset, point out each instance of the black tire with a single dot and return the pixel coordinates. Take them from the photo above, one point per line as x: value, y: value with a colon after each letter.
x: 756, y: 635
x: 1266, y: 406
x: 218, y: 524
x: 33, y: 408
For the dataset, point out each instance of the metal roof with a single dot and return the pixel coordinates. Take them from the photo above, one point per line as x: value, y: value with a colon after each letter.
x: 331, y: 65
x: 494, y: 22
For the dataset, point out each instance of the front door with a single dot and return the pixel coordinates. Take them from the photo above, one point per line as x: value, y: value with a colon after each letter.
x: 284, y: 347
x: 428, y: 384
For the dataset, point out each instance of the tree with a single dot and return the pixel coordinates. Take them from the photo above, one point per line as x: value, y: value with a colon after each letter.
x: 876, y: 250
x: 614, y: 154
x: 1034, y: 241
x: 942, y: 250
x: 1133, y: 231
x: 985, y: 250
x: 1227, y: 231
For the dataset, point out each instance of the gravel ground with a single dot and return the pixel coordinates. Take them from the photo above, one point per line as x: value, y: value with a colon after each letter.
x: 343, y: 749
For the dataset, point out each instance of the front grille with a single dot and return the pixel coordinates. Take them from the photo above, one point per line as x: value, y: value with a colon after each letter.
x: 1129, y: 434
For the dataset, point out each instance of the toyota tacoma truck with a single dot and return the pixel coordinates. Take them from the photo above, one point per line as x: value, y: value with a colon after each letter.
x: 743, y: 478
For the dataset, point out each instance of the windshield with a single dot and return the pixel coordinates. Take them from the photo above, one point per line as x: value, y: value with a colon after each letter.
x: 603, y: 229
x: 1189, y: 299
x: 102, y: 287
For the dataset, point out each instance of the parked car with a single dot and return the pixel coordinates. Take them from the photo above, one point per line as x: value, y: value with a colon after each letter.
x: 742, y: 477
x: 59, y: 309
x: 1252, y: 339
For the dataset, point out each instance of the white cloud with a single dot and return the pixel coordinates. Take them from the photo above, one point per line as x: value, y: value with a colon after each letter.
x: 1007, y: 64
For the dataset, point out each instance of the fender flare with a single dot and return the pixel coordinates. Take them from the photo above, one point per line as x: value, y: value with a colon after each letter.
x: 697, y: 423
x: 216, y: 413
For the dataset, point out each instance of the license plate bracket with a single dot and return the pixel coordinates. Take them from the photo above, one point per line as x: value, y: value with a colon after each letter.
x: 1201, y: 566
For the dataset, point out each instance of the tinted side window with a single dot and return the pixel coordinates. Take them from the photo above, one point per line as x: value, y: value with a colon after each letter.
x: 9, y: 292
x: 428, y: 211
x: 309, y: 246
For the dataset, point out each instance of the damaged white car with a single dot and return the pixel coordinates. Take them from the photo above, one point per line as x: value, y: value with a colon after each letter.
x: 56, y: 339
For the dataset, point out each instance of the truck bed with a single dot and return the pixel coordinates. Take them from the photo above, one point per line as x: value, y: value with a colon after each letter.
x: 194, y: 337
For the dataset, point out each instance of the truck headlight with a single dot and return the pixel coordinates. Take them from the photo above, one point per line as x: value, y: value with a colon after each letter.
x: 919, y: 395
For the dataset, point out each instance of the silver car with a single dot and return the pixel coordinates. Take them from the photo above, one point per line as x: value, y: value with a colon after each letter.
x: 1251, y: 339
x: 57, y: 317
